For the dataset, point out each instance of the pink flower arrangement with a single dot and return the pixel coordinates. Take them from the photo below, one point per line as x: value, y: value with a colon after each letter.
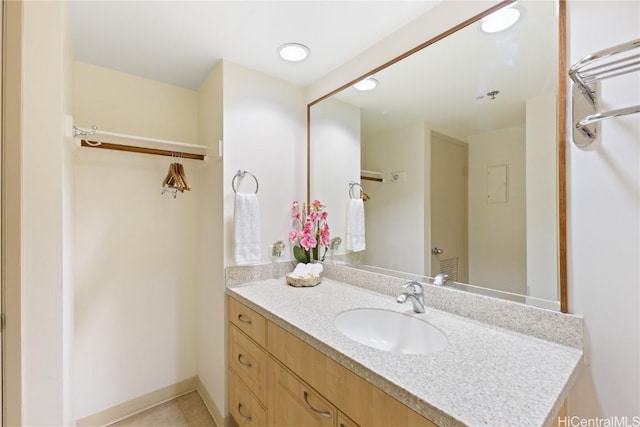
x: 311, y: 231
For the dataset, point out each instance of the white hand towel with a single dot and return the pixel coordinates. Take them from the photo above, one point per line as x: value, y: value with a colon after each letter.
x: 355, y: 226
x: 246, y: 228
x: 306, y: 269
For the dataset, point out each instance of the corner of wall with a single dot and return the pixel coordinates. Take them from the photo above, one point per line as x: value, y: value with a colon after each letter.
x: 13, y: 12
x: 68, y: 155
x: 45, y: 285
x: 211, y: 319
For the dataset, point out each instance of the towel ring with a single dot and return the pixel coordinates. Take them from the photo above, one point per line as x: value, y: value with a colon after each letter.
x: 351, y: 195
x: 241, y: 174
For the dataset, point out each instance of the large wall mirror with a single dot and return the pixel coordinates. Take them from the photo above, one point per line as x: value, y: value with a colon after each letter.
x: 460, y: 150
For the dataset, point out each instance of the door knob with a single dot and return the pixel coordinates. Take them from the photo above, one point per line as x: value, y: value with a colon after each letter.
x: 436, y: 251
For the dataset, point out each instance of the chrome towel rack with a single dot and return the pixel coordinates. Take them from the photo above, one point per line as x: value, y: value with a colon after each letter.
x: 586, y: 75
x: 352, y: 186
x: 241, y: 174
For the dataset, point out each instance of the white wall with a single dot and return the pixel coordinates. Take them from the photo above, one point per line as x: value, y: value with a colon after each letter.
x: 46, y: 281
x: 336, y: 146
x: 542, y: 197
x: 395, y: 213
x: 264, y: 133
x: 497, y: 231
x: 211, y: 324
x: 136, y: 251
x: 603, y: 224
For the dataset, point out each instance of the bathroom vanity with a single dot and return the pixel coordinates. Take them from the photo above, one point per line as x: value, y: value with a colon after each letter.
x: 298, y: 384
x: 289, y: 365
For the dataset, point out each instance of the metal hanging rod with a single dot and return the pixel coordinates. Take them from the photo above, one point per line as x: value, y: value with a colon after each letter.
x: 586, y: 75
x: 143, y: 150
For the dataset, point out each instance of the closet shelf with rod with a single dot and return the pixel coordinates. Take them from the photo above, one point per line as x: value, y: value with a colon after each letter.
x: 586, y: 75
x: 96, y: 138
x: 371, y: 176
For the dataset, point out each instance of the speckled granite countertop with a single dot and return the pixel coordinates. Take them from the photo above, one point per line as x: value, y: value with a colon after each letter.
x: 486, y: 376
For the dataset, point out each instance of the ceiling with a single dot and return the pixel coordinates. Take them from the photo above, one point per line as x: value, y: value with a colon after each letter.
x: 446, y: 84
x: 179, y: 42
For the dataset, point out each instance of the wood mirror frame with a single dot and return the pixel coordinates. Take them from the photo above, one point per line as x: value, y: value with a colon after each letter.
x: 560, y: 137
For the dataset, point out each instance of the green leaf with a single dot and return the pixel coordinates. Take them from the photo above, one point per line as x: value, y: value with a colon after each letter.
x: 300, y: 254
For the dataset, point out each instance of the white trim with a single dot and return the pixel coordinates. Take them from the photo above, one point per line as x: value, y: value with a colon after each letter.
x: 130, y: 140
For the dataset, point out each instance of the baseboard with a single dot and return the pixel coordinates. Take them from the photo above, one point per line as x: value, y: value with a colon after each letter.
x: 126, y: 409
x: 211, y: 406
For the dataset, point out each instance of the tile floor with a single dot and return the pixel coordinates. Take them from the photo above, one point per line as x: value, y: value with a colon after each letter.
x: 184, y: 411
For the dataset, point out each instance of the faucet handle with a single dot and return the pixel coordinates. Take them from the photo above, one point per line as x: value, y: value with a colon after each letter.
x: 416, y: 287
x: 440, y: 279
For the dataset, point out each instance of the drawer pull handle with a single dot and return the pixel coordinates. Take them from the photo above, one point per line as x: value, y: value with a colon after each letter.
x: 246, y: 417
x: 244, y: 319
x: 325, y: 414
x: 247, y: 364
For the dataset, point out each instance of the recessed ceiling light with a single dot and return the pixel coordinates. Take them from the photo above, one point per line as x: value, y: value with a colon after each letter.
x: 500, y: 20
x: 293, y: 52
x: 366, y: 84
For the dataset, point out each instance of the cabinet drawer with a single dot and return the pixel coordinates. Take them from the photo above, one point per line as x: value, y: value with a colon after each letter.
x: 243, y: 406
x: 346, y: 389
x: 344, y: 421
x: 250, y: 322
x: 248, y: 361
x: 292, y: 403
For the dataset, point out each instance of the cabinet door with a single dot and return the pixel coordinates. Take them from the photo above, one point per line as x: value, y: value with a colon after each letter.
x: 294, y: 404
x: 243, y: 406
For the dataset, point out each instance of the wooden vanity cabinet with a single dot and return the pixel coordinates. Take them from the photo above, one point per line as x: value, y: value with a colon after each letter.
x: 278, y: 380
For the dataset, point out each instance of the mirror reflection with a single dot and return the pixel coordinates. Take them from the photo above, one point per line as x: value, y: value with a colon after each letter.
x: 456, y: 148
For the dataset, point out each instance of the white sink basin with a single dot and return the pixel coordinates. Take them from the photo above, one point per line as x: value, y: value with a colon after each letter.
x: 390, y: 331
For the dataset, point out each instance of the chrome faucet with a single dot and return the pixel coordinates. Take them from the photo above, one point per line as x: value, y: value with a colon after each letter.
x: 415, y: 294
x: 440, y: 279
